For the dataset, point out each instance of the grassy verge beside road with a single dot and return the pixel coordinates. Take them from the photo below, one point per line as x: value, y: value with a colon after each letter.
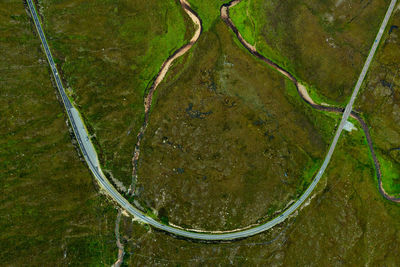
x: 200, y: 151
x: 108, y: 61
x: 48, y: 214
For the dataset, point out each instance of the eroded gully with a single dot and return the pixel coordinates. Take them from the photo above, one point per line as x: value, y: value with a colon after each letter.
x: 301, y: 89
x: 160, y: 76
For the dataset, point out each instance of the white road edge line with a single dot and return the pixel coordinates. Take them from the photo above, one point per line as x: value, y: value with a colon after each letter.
x: 91, y: 158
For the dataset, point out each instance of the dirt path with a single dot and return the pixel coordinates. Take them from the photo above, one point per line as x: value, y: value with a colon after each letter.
x: 159, y: 78
x: 301, y: 89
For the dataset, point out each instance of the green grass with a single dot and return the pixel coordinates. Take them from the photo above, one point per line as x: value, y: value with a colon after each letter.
x: 264, y: 155
x: 49, y: 205
x: 390, y: 176
x: 327, y: 55
x: 378, y: 103
x: 108, y: 62
x: 247, y: 23
x: 246, y: 15
x: 309, y: 172
x: 390, y: 170
x: 161, y: 43
x: 208, y: 11
x: 249, y: 28
x: 324, y: 120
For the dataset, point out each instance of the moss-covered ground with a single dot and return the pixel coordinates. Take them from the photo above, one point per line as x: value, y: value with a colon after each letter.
x: 347, y: 223
x: 380, y: 104
x: 323, y: 43
x: 50, y: 211
x: 109, y: 53
x: 229, y: 141
x: 343, y: 26
x: 228, y: 134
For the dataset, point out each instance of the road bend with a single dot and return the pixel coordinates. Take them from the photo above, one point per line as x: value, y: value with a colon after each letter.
x: 301, y: 89
x: 92, y: 161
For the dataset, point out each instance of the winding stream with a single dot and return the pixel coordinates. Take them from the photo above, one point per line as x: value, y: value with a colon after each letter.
x: 301, y: 89
x: 160, y: 76
x: 91, y: 158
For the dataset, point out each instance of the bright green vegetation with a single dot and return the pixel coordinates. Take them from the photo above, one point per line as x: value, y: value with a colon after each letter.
x: 230, y: 135
x: 323, y: 43
x: 208, y: 11
x: 245, y: 16
x: 241, y: 17
x: 380, y: 103
x: 218, y: 170
x: 109, y: 52
x: 50, y: 211
x: 390, y: 176
x: 256, y: 21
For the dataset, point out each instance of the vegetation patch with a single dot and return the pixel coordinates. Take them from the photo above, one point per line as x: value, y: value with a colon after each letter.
x: 108, y: 62
x: 323, y: 43
x: 390, y: 176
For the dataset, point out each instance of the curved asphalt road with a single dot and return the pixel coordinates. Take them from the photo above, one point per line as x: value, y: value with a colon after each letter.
x: 91, y: 158
x: 226, y: 18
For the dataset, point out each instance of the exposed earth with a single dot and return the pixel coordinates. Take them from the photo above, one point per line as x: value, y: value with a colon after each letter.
x: 228, y: 141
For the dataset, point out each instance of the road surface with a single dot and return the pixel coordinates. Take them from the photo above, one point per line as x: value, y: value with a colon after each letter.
x: 91, y: 158
x: 304, y: 95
